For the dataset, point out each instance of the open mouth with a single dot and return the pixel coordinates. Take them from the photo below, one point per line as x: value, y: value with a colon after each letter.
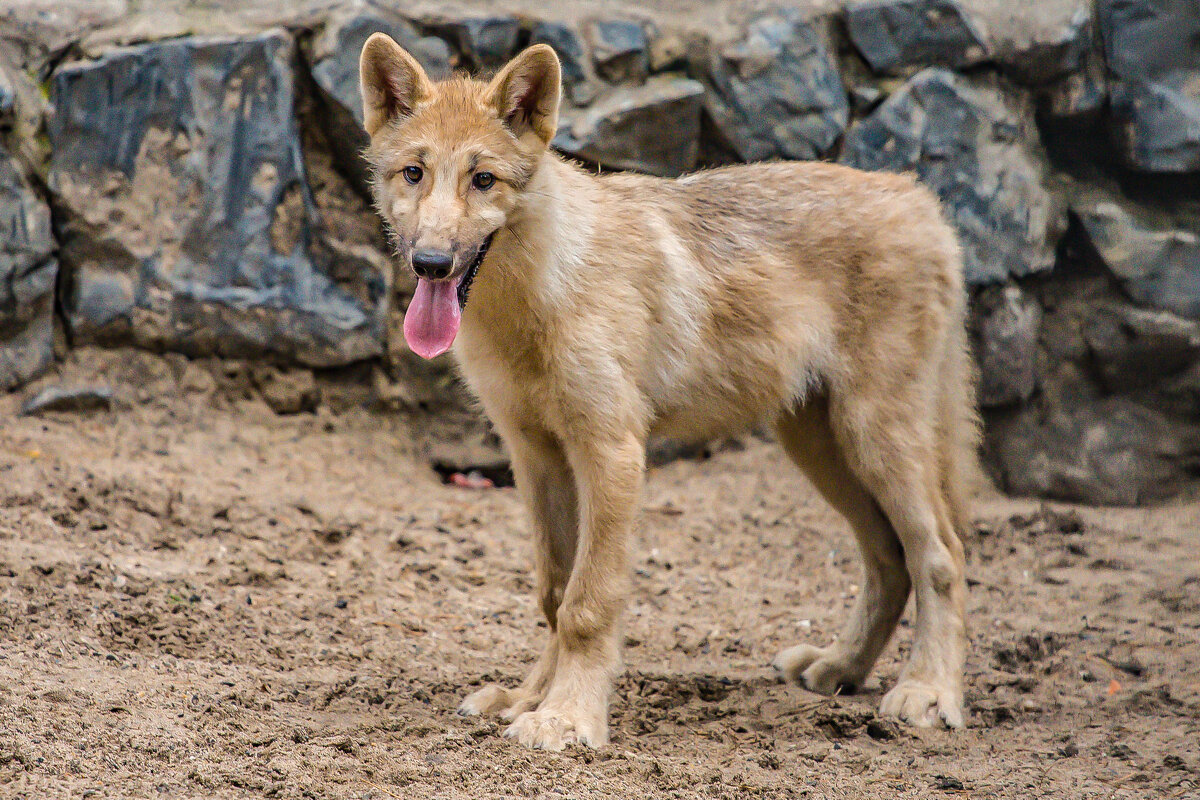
x: 432, y: 319
x: 464, y: 284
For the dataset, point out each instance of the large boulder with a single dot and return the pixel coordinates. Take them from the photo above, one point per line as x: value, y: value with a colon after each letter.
x: 1156, y: 260
x: 1110, y: 451
x: 1155, y: 64
x: 776, y: 93
x: 1132, y: 349
x: 188, y: 223
x: 652, y: 128
x: 893, y: 34
x: 976, y: 146
x: 28, y: 272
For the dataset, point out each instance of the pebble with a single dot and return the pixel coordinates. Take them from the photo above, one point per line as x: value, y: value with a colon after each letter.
x: 69, y: 398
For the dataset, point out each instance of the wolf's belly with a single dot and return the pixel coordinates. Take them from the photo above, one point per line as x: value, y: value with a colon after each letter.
x: 727, y: 398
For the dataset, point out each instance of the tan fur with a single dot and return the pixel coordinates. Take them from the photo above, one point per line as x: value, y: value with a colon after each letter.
x: 610, y: 308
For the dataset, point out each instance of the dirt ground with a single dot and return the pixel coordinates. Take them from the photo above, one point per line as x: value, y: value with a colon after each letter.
x: 200, y: 598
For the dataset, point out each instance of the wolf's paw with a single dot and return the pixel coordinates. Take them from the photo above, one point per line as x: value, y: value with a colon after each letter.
x: 818, y: 669
x: 493, y: 699
x: 555, y: 728
x: 924, y: 704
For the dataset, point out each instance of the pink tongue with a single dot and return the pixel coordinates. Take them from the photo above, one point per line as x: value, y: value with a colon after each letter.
x: 431, y: 322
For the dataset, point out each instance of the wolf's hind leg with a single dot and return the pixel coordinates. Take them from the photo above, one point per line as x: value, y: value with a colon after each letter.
x: 808, y: 439
x: 891, y: 442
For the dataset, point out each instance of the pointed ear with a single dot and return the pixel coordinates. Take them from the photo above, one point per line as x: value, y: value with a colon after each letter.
x: 525, y: 93
x: 391, y: 82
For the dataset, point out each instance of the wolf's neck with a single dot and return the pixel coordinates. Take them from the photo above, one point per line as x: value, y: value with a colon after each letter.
x: 539, y: 255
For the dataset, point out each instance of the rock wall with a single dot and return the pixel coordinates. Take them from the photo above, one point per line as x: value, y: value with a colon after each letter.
x: 189, y: 180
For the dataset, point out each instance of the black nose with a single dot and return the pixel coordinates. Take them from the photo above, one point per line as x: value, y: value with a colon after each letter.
x: 433, y: 264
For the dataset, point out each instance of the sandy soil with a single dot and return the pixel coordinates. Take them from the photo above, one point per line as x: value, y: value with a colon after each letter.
x: 199, y: 598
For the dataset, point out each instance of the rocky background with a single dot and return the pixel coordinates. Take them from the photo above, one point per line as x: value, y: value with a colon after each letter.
x: 186, y: 178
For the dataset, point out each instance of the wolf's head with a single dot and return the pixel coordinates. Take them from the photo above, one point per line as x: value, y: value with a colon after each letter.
x: 450, y: 161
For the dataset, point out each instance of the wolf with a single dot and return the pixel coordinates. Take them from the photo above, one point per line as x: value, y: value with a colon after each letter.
x: 587, y: 312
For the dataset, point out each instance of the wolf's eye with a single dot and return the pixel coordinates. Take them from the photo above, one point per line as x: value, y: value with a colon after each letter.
x: 412, y: 174
x: 483, y: 181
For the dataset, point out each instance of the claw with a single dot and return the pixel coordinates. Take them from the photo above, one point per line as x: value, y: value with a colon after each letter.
x: 924, y: 704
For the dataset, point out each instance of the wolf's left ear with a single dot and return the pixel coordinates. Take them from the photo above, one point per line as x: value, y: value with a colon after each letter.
x: 525, y: 93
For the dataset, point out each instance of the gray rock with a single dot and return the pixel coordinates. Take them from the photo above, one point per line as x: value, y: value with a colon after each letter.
x: 864, y: 98
x: 893, y: 34
x: 652, y: 128
x: 1080, y: 94
x: 1111, y: 451
x: 977, y: 147
x: 188, y: 223
x: 668, y: 49
x: 69, y: 398
x: 777, y: 93
x: 1155, y: 64
x: 619, y: 49
x: 571, y: 55
x: 1006, y: 322
x: 1134, y: 348
x: 22, y: 111
x: 484, y: 42
x: 1180, y: 393
x: 28, y: 273
x: 8, y: 96
x: 1157, y: 263
x: 334, y: 57
x: 1061, y: 59
x: 1046, y: 53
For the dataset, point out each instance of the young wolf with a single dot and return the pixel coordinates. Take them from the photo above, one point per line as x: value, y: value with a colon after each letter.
x: 604, y: 309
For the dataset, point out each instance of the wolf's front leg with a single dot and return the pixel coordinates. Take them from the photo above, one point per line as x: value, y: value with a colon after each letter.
x: 608, y: 475
x: 547, y: 484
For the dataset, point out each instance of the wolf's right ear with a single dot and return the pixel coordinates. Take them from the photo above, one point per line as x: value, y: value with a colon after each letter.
x: 392, y: 82
x: 525, y: 93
